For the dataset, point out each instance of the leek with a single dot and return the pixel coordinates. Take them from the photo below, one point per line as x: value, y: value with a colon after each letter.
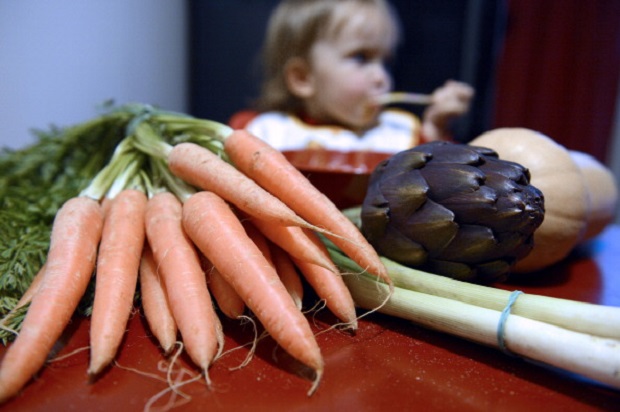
x: 474, y: 312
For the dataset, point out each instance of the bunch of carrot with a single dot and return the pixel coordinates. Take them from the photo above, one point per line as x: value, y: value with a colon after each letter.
x: 194, y: 216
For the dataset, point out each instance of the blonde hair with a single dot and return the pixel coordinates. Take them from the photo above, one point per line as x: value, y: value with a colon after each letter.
x: 294, y: 26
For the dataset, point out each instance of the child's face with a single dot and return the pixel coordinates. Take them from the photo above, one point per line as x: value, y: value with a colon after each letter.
x: 347, y: 69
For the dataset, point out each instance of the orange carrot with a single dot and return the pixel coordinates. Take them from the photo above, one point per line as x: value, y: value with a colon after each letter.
x: 288, y: 274
x: 32, y: 289
x: 202, y: 168
x: 117, y: 275
x: 327, y: 282
x: 25, y: 299
x: 216, y: 230
x: 184, y: 279
x: 155, y: 302
x: 259, y: 239
x: 296, y: 241
x: 228, y: 300
x: 105, y: 203
x: 284, y: 267
x: 270, y: 169
x: 331, y: 288
x: 70, y: 262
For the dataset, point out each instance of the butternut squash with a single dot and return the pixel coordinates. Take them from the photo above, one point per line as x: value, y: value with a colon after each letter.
x: 580, y: 193
x: 602, y: 190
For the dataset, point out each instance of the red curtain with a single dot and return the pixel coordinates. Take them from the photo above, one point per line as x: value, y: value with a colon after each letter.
x: 559, y: 71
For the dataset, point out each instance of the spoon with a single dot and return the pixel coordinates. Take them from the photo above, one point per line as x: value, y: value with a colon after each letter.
x: 405, y: 97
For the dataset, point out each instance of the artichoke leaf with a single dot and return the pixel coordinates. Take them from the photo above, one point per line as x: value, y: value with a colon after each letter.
x: 410, y: 161
x: 462, y: 178
x: 433, y: 227
x: 375, y: 220
x: 472, y: 243
x: 455, y: 270
x: 446, y: 152
x: 485, y: 152
x: 510, y: 170
x: 493, y: 271
x: 474, y: 207
x: 398, y: 247
x: 405, y: 192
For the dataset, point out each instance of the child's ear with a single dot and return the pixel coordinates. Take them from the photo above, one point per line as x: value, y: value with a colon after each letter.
x: 298, y: 77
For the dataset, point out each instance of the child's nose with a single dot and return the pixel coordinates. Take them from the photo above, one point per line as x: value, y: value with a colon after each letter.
x: 381, y: 77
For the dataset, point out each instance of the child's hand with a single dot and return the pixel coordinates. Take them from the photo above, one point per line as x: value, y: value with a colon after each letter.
x: 452, y: 99
x: 449, y: 101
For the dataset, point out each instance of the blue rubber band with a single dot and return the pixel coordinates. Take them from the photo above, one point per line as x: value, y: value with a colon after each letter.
x: 502, y: 321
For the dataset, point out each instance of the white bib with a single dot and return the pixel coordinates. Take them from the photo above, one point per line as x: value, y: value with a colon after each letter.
x: 396, y: 130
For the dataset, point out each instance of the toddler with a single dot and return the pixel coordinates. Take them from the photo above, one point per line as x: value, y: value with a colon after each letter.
x: 325, y: 75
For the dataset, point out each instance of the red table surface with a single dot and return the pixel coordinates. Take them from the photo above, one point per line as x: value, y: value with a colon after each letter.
x: 389, y: 364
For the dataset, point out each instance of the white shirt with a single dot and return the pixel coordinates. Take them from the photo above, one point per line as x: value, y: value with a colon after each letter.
x: 396, y: 130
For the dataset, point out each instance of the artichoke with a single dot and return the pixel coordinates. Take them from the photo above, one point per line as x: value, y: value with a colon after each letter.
x: 452, y: 209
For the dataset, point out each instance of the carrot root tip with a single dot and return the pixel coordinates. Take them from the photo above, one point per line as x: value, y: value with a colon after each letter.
x: 92, y: 376
x: 205, y: 372
x: 298, y: 302
x: 350, y: 326
x: 167, y: 351
x: 316, y: 382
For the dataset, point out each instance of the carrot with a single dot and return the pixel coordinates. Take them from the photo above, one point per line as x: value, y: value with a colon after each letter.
x: 271, y: 170
x: 259, y: 240
x: 184, y: 279
x: 32, y: 289
x: 288, y: 274
x: 105, y: 203
x: 331, y: 288
x: 118, y: 264
x: 216, y: 230
x: 202, y: 168
x: 285, y: 269
x: 25, y: 299
x: 326, y: 281
x: 229, y: 302
x: 70, y: 262
x: 155, y: 302
x: 296, y: 241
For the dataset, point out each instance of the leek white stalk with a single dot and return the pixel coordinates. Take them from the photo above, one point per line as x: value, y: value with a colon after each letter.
x: 590, y: 356
x: 583, y: 317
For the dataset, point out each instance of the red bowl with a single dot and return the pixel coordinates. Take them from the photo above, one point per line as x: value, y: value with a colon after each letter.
x: 341, y: 176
